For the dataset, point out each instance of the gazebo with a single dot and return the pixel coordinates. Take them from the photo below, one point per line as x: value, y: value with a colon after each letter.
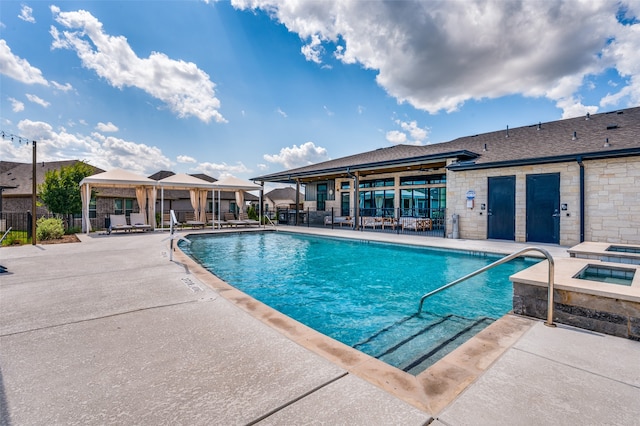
x: 198, y: 189
x: 232, y: 183
x: 118, y: 178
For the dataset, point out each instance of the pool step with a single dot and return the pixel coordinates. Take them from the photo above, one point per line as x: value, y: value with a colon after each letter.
x: 418, y: 341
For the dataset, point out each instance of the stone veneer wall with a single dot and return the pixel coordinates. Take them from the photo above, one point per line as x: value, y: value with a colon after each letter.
x: 473, y: 222
x: 596, y: 313
x: 612, y: 200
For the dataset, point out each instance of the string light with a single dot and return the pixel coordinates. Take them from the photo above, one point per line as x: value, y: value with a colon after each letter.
x: 14, y: 138
x: 21, y: 139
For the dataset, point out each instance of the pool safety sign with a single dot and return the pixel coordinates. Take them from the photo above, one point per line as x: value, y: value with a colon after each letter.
x: 471, y: 196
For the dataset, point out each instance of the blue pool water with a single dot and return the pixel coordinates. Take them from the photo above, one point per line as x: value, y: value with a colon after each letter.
x: 364, y: 294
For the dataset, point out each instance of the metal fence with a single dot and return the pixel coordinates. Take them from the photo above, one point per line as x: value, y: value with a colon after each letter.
x: 428, y: 222
x: 17, y: 221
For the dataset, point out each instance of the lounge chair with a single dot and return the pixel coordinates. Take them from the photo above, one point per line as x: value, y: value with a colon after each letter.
x: 230, y: 219
x: 166, y: 220
x: 190, y: 219
x: 217, y: 223
x: 118, y: 222
x: 137, y: 222
x: 245, y: 218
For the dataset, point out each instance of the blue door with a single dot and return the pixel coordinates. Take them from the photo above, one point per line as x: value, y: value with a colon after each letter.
x: 543, y: 208
x: 501, y: 209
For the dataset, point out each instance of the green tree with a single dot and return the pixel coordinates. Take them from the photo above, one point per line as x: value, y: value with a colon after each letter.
x: 60, y: 191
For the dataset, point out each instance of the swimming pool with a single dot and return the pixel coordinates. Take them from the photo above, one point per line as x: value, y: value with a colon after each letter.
x: 364, y: 294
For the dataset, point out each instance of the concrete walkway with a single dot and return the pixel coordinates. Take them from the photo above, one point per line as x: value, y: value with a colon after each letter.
x: 109, y: 331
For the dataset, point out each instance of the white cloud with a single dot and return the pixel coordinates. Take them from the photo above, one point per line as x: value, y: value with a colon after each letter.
x: 185, y: 159
x: 18, y: 68
x: 623, y: 52
x: 37, y: 100
x: 328, y: 111
x: 96, y: 149
x: 62, y: 87
x: 219, y: 170
x: 438, y: 55
x: 16, y: 105
x: 182, y: 86
x: 411, y: 133
x: 281, y: 112
x: 313, y: 50
x: 296, y: 156
x: 262, y: 167
x: 396, y: 137
x: 107, y: 128
x: 26, y: 14
x: 572, y: 108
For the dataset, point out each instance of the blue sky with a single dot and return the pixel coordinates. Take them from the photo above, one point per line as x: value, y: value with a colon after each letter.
x: 250, y: 87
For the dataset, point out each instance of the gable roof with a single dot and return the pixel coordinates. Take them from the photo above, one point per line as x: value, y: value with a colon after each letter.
x: 287, y: 193
x: 17, y: 177
x: 534, y: 144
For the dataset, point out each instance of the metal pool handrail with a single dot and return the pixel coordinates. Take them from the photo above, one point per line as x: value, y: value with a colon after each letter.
x: 512, y: 256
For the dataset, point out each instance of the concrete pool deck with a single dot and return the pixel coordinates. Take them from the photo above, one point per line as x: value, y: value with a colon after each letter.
x: 110, y: 331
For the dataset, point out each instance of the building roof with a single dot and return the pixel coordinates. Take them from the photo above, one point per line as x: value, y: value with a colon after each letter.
x: 287, y: 193
x: 538, y: 143
x: 17, y: 177
x: 162, y: 174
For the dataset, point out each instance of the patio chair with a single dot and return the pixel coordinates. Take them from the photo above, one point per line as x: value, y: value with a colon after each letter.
x: 166, y: 220
x: 231, y: 220
x: 137, y: 222
x: 416, y: 223
x: 118, y: 222
x: 372, y: 222
x: 250, y: 222
x: 190, y: 219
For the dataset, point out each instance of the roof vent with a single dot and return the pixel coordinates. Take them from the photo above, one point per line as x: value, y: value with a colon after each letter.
x: 539, y: 125
x: 507, y: 135
x: 606, y: 143
x: 620, y: 112
x: 575, y: 136
x: 588, y: 116
x: 485, y: 148
x: 612, y: 126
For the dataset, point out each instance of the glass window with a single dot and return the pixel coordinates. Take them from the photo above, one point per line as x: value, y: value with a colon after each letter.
x: 423, y: 180
x: 92, y: 209
x: 345, y: 185
x: 322, y: 196
x: 344, y: 204
x: 376, y: 183
x: 377, y: 203
x: 123, y: 206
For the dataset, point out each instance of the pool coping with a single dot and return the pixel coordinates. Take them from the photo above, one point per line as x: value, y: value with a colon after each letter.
x: 430, y: 391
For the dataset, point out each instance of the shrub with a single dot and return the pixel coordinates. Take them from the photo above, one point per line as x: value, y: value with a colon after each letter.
x: 252, y: 213
x: 49, y: 229
x: 73, y: 230
x: 15, y: 238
